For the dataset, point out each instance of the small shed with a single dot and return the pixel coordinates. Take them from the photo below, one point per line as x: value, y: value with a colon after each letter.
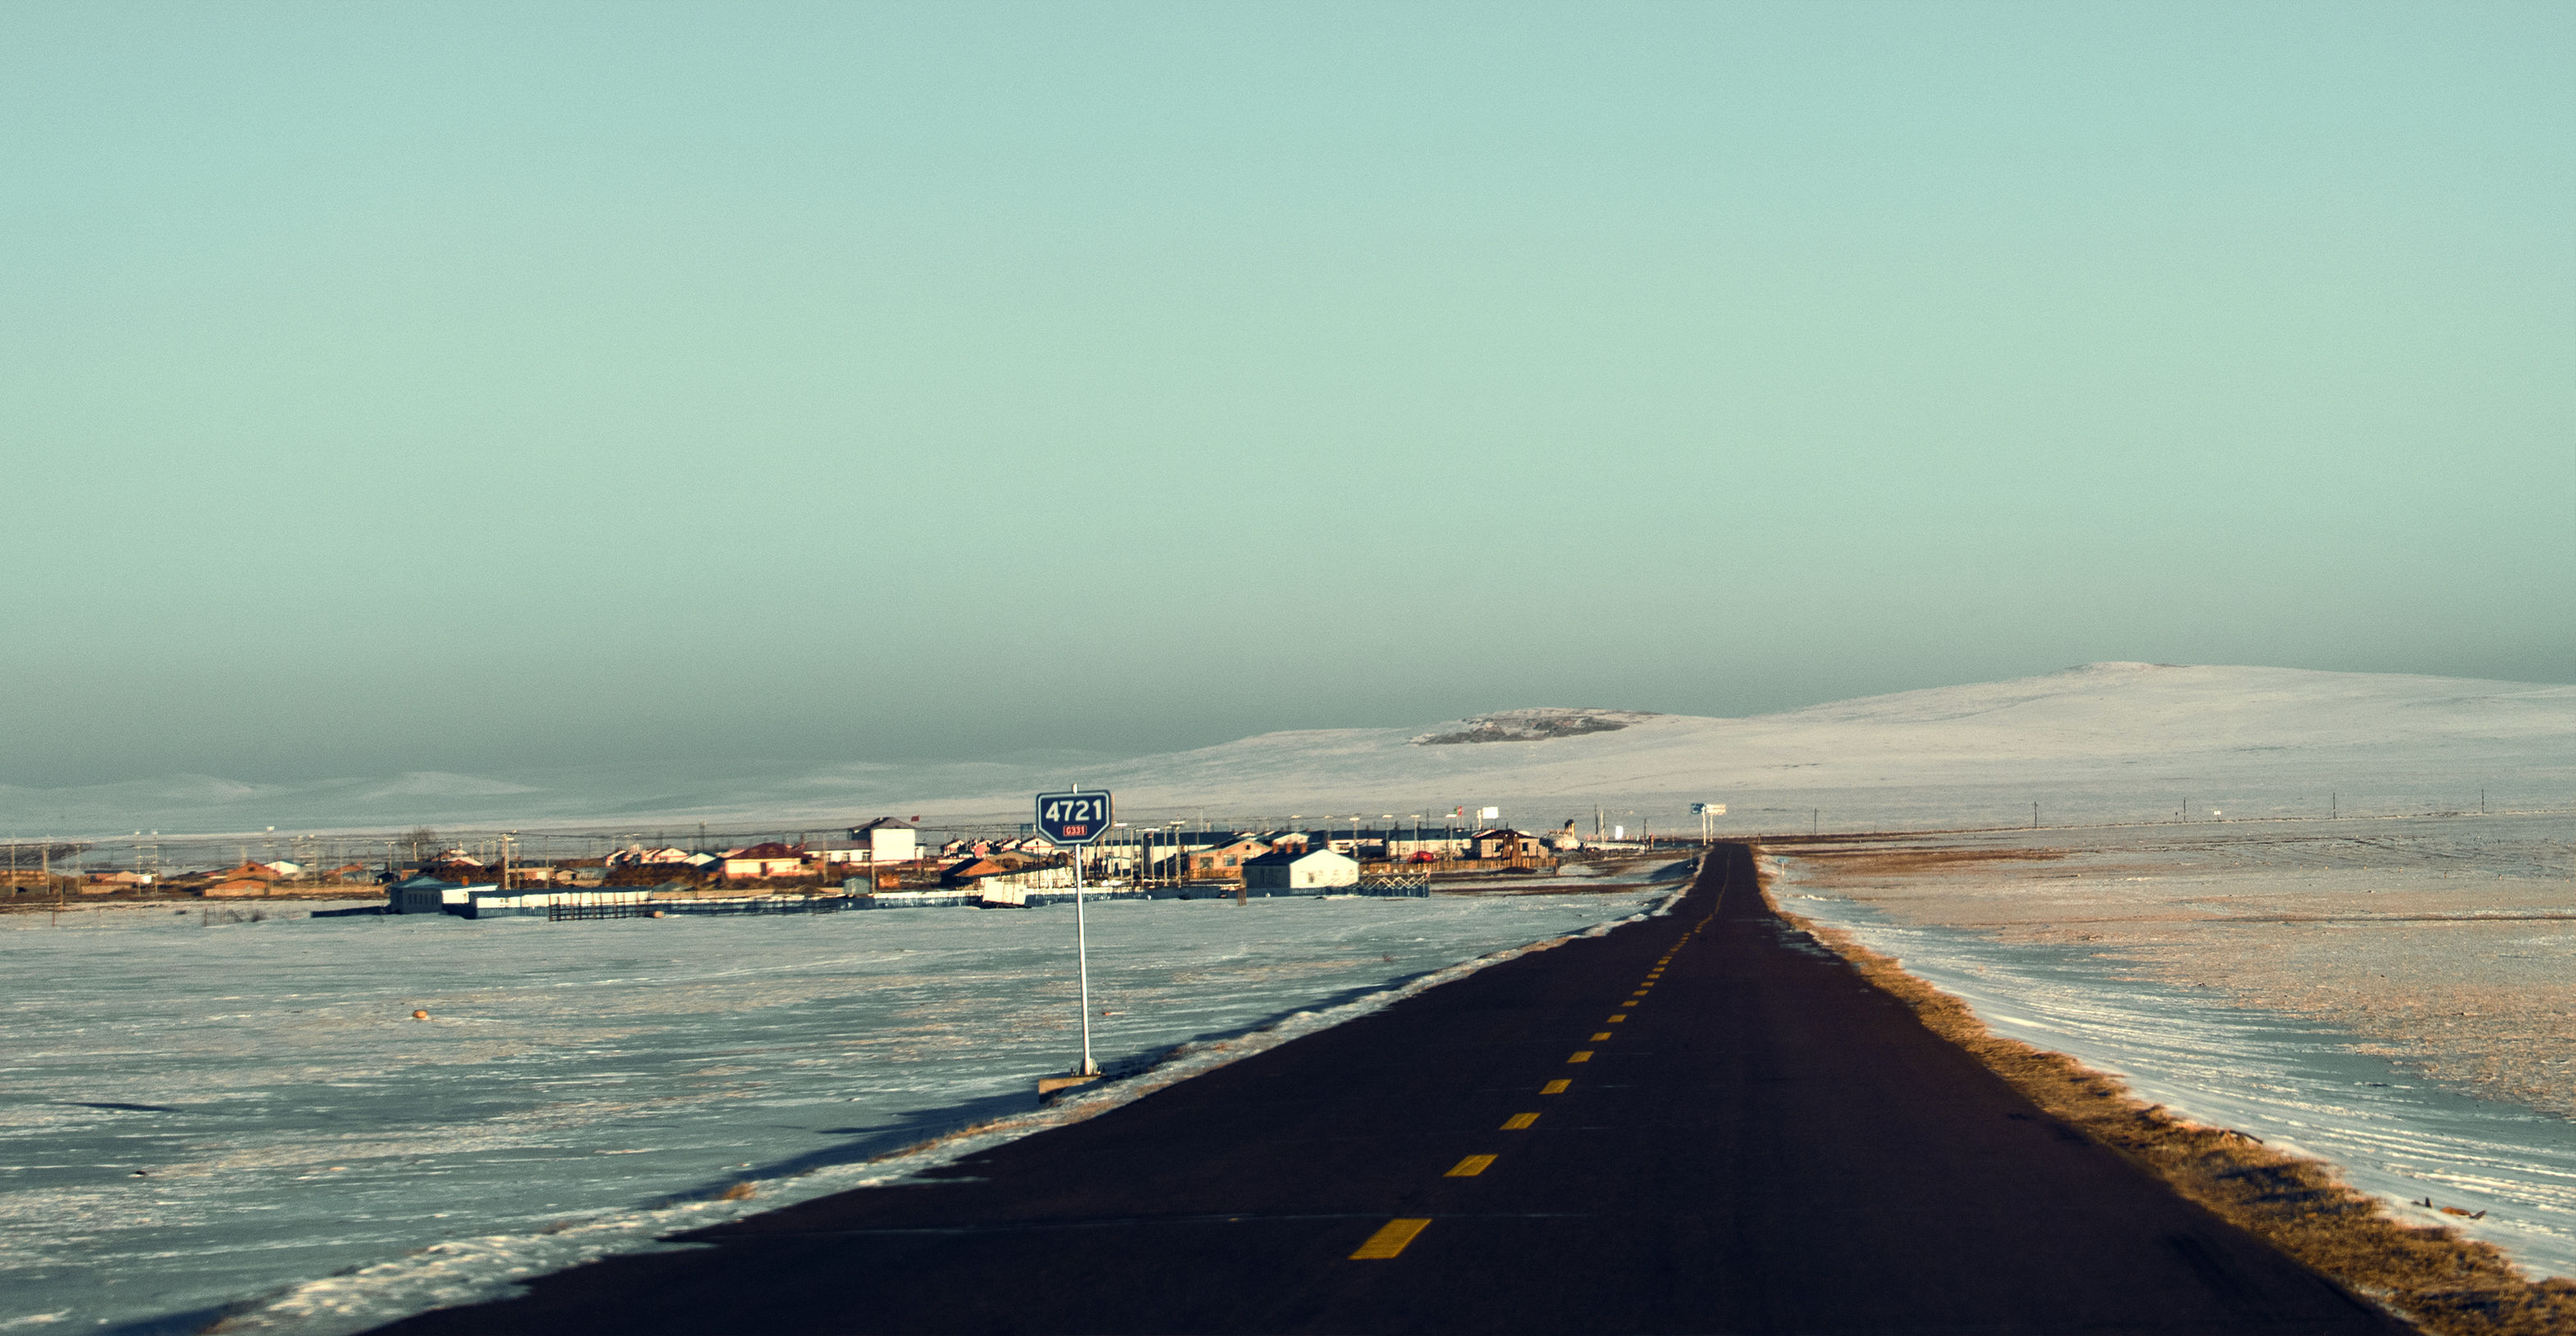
x: 1300, y: 873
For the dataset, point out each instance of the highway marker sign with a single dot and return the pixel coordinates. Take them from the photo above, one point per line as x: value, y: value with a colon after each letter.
x: 1071, y: 820
x: 1075, y: 818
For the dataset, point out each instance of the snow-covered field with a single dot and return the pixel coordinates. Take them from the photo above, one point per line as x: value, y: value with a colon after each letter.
x: 2390, y: 993
x: 2395, y: 996
x: 232, y: 1115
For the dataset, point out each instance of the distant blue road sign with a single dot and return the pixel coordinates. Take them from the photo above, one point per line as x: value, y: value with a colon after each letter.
x: 1073, y: 818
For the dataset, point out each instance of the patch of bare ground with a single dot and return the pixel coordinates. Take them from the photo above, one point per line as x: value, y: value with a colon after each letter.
x: 2443, y: 1283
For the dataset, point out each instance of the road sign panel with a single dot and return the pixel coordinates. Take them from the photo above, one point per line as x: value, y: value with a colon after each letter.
x: 1073, y: 818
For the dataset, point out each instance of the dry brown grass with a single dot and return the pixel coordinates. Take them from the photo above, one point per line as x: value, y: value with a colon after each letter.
x: 1900, y: 862
x: 2445, y: 1284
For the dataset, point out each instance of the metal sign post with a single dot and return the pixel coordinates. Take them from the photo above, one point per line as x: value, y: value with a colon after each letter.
x: 1708, y: 813
x: 1074, y: 820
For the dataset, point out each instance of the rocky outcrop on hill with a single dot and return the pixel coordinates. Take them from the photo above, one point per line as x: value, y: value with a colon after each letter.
x: 1536, y: 725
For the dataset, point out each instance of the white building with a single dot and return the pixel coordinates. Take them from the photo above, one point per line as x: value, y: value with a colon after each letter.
x: 884, y: 840
x: 1293, y: 871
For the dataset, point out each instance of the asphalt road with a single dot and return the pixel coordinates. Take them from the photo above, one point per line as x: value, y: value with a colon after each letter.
x: 1698, y: 1123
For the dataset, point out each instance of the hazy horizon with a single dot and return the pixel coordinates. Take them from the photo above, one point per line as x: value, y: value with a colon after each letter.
x: 699, y: 766
x: 494, y: 388
x: 2115, y: 741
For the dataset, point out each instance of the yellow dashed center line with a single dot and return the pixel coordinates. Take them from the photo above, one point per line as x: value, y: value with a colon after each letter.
x: 1470, y: 1167
x: 1629, y: 1003
x: 1389, y: 1240
x: 1519, y: 1122
x: 1601, y: 1036
x: 1581, y: 1055
x: 1615, y: 1020
x: 1555, y: 1087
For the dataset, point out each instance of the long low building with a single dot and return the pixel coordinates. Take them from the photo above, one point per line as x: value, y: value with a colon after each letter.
x: 1299, y: 872
x: 428, y: 895
x: 425, y: 895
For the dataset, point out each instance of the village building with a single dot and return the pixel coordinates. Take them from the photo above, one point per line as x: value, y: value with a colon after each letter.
x: 1033, y: 877
x: 1514, y: 845
x: 1224, y: 862
x: 636, y: 855
x: 425, y: 895
x: 968, y: 871
x: 763, y: 861
x: 1294, y: 873
x: 884, y: 840
x: 1394, y: 844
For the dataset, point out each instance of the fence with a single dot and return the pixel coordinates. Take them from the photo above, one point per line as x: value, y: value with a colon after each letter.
x: 793, y: 904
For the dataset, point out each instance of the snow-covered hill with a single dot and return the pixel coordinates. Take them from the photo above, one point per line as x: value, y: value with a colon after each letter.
x: 2096, y: 729
x: 2106, y: 741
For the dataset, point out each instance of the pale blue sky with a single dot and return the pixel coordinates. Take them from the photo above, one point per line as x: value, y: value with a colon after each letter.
x: 390, y: 387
